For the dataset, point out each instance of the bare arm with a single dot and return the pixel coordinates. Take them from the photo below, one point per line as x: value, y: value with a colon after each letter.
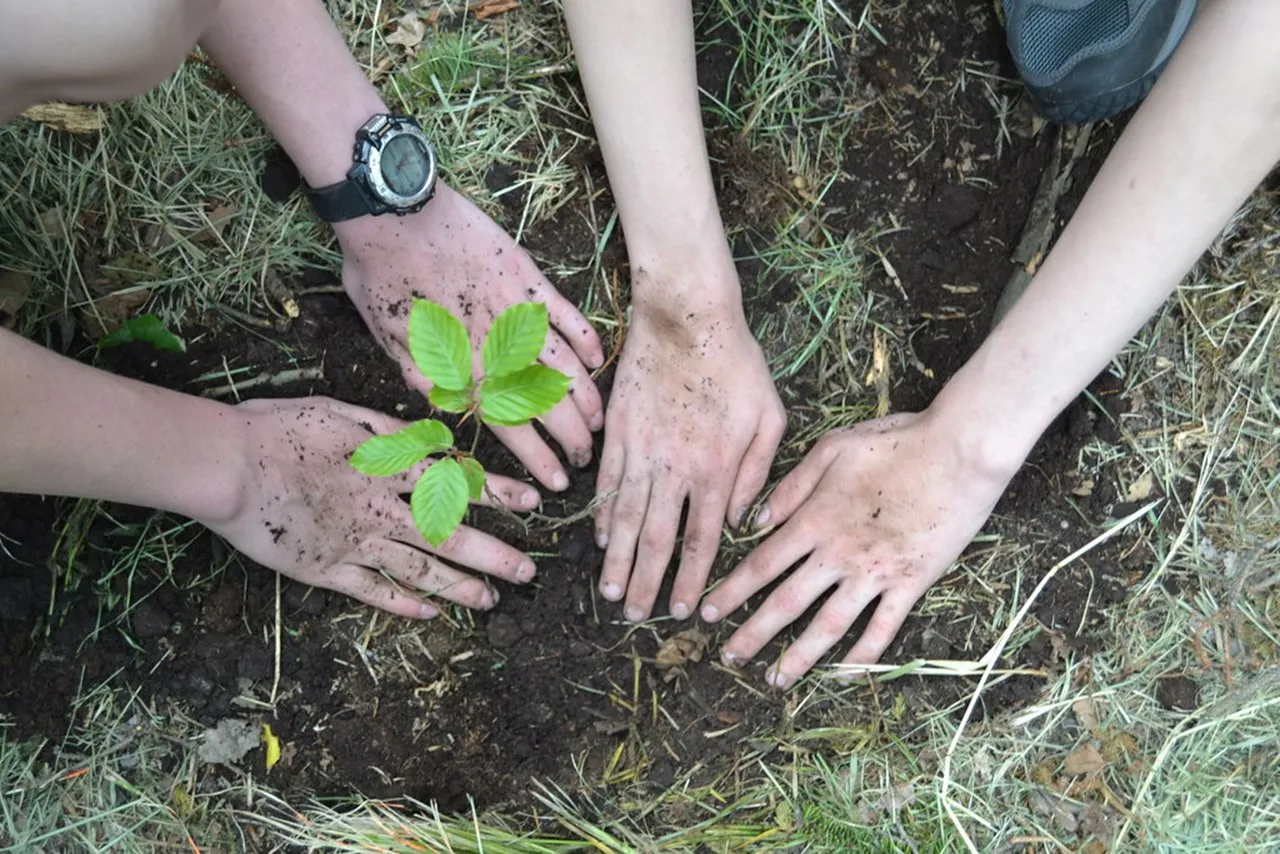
x: 694, y: 414
x: 882, y: 510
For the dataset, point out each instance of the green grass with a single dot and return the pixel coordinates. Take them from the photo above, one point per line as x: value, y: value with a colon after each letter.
x: 883, y: 771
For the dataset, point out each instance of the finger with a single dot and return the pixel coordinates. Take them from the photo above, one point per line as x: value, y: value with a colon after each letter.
x: 625, y: 521
x: 418, y: 570
x: 798, y: 485
x: 372, y: 589
x: 829, y: 626
x: 375, y: 421
x: 509, y: 493
x: 479, y: 551
x: 608, y: 479
x: 567, y: 426
x: 881, y: 629
x: 783, y: 607
x: 535, y: 455
x: 753, y: 471
x: 654, y: 549
x: 769, y: 560
x: 575, y: 329
x: 586, y: 397
x: 701, y: 540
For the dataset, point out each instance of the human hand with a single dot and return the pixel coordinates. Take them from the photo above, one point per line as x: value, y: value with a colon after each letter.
x: 693, y: 414
x: 452, y: 254
x: 305, y: 512
x: 881, y: 509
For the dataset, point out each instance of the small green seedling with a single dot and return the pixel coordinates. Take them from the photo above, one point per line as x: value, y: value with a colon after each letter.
x: 146, y: 328
x: 514, y: 390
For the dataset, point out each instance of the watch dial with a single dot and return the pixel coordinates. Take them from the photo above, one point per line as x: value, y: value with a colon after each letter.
x: 404, y: 165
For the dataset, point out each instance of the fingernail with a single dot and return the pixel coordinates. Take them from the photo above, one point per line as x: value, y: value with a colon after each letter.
x: 529, y: 500
x: 680, y: 611
x: 737, y: 516
x: 848, y: 677
x: 728, y: 658
x: 526, y: 570
x: 710, y: 613
x: 634, y: 614
x: 559, y: 481
x: 426, y: 612
x: 762, y: 518
x: 490, y: 598
x: 597, y: 421
x: 776, y: 678
x: 612, y: 592
x: 595, y: 361
x: 602, y: 540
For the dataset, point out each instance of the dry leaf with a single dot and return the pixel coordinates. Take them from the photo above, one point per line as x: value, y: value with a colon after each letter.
x: 409, y: 32
x: 53, y: 222
x: 14, y: 290
x: 678, y: 650
x: 1086, y: 713
x: 1085, y: 489
x: 729, y: 718
x: 71, y: 118
x: 219, y: 216
x: 1085, y: 759
x: 1140, y: 489
x: 878, y: 376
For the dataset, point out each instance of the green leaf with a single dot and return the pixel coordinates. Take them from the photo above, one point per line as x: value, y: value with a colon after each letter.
x: 515, y: 339
x: 475, y: 476
x: 439, y: 345
x: 450, y: 400
x: 384, y: 456
x: 146, y: 328
x: 439, y: 501
x: 514, y: 399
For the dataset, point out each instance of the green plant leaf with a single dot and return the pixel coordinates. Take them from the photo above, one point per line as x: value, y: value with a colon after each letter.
x: 450, y: 400
x: 146, y: 328
x: 384, y: 456
x: 514, y: 399
x: 439, y: 501
x: 515, y: 339
x: 439, y: 345
x: 475, y: 476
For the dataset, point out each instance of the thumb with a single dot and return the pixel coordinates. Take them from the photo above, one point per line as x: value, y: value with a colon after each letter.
x: 799, y: 484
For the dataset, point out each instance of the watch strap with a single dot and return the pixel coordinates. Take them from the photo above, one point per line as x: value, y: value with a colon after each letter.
x: 339, y: 202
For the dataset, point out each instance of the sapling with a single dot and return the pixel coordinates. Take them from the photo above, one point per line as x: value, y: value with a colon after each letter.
x: 513, y: 390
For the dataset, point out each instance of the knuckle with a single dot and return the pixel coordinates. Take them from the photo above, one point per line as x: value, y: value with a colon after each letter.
x: 788, y: 600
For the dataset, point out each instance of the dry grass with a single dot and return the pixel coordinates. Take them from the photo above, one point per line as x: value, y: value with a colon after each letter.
x: 1098, y: 761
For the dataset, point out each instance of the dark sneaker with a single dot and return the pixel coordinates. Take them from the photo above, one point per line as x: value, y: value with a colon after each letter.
x: 1086, y: 60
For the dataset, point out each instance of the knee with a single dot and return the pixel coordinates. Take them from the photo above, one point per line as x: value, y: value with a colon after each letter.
x: 98, y: 50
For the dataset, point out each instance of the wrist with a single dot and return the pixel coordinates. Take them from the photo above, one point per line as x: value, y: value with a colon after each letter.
x: 692, y: 286
x: 989, y: 438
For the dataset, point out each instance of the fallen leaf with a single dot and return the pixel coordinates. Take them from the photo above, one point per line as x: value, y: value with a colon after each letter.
x: 71, y: 118
x: 53, y: 222
x: 729, y: 718
x: 219, y: 216
x: 679, y: 649
x: 1140, y: 489
x: 1085, y: 759
x: 271, y: 745
x: 878, y: 376
x: 14, y: 290
x: 1086, y: 713
x: 1059, y: 810
x: 109, y: 313
x: 409, y: 32
x: 228, y: 742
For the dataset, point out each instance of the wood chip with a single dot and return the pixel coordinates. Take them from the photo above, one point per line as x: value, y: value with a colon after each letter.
x: 70, y: 118
x: 492, y: 8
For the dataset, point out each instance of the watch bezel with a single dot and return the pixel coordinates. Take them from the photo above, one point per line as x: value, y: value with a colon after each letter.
x: 373, y: 137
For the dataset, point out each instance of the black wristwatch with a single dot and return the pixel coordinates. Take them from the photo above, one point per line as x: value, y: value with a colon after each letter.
x: 394, y: 172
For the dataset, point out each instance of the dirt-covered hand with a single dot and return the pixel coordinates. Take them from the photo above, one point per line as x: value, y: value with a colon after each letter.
x: 306, y: 513
x: 878, y: 510
x: 693, y: 415
x: 452, y: 254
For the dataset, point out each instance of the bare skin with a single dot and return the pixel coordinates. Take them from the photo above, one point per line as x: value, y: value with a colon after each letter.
x: 884, y: 509
x: 694, y: 416
x: 273, y: 477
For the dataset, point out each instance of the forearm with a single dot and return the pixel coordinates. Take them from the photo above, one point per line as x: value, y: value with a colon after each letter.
x: 67, y: 429
x: 290, y: 64
x: 1208, y: 133
x: 637, y: 64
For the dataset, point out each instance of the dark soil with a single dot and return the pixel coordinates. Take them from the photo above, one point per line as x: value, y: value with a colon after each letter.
x: 480, y: 703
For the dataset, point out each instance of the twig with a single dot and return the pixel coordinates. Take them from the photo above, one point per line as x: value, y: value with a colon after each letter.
x: 293, y: 375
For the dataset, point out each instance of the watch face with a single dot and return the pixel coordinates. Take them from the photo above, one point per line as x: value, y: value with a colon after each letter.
x: 404, y: 165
